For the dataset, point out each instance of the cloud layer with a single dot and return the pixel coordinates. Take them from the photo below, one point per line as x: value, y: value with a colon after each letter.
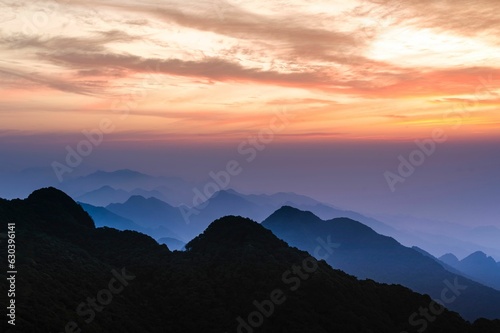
x: 375, y: 62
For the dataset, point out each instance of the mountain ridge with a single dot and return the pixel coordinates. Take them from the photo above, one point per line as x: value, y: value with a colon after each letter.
x: 478, y: 265
x: 213, y: 287
x: 366, y: 254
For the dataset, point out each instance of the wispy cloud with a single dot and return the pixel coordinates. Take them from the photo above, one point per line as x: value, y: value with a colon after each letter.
x: 329, y: 58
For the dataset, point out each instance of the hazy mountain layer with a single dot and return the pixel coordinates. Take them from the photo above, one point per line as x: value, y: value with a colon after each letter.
x: 236, y: 276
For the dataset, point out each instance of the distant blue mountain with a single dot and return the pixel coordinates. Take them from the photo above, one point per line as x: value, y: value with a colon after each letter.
x: 172, y: 243
x: 271, y: 202
x: 171, y: 189
x: 450, y: 259
x: 104, y: 196
x: 119, y: 179
x: 105, y: 218
x: 152, y: 213
x: 357, y: 249
x: 477, y: 265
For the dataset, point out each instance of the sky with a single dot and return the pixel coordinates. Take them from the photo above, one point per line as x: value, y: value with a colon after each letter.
x: 328, y: 96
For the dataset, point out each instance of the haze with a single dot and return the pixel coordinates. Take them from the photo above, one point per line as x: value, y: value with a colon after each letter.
x: 182, y: 85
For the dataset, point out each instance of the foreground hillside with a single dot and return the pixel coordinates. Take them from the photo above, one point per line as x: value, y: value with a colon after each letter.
x: 235, y: 277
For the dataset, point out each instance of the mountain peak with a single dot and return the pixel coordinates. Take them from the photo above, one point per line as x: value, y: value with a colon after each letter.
x: 291, y: 215
x: 450, y: 259
x: 225, y: 193
x: 449, y: 256
x: 49, y: 193
x: 48, y: 200
x: 478, y: 254
x: 234, y: 233
x: 478, y: 257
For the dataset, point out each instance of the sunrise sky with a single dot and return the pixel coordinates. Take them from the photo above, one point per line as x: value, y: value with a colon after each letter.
x: 350, y: 69
x: 202, y: 74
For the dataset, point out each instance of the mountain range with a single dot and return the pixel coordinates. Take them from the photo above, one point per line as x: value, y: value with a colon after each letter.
x: 151, y: 213
x: 477, y: 265
x: 235, y: 276
x: 101, y: 188
x: 359, y: 250
x: 168, y: 225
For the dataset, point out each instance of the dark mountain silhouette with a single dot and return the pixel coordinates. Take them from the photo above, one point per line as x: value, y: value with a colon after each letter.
x: 159, y: 219
x: 365, y: 254
x: 233, y: 274
x: 477, y: 265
